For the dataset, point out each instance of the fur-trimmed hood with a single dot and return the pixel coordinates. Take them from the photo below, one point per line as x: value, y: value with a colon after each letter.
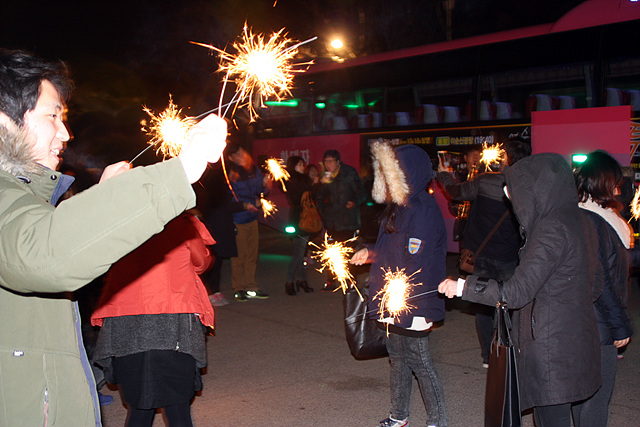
x: 399, y: 172
x: 16, y: 153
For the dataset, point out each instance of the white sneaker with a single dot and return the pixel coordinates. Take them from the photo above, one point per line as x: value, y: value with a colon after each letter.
x: 390, y: 422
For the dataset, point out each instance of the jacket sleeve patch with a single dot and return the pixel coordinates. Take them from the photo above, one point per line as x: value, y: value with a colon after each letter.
x: 414, y: 245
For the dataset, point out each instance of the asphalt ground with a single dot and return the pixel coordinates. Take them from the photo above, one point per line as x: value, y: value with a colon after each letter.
x: 284, y: 361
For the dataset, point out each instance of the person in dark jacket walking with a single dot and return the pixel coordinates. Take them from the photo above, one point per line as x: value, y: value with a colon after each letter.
x: 412, y: 237
x: 248, y: 184
x: 551, y: 292
x: 598, y: 180
x: 499, y: 256
x: 297, y: 185
x: 339, y: 197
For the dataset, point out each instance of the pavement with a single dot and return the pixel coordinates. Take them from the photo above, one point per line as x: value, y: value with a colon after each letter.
x: 284, y: 361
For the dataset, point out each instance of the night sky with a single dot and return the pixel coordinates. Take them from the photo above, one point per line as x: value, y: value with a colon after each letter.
x: 123, y: 54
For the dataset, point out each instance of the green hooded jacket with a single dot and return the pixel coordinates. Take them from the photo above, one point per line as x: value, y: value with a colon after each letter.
x: 47, y: 251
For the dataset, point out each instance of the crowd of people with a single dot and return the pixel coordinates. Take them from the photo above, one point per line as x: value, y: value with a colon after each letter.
x: 547, y: 242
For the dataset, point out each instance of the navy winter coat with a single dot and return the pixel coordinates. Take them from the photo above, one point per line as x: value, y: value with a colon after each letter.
x: 418, y: 245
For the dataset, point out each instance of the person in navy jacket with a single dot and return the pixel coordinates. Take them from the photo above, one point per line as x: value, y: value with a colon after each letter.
x: 412, y: 237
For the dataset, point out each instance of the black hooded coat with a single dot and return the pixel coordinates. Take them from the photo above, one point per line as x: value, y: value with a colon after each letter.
x: 553, y: 288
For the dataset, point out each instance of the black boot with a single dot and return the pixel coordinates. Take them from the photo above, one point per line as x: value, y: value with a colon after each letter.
x: 289, y: 289
x: 304, y: 285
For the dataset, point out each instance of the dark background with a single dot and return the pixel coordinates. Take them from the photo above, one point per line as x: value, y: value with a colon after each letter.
x: 125, y: 54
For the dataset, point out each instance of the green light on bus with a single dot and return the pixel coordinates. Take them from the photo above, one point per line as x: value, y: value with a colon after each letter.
x: 320, y: 105
x: 579, y: 158
x: 286, y: 103
x: 289, y: 229
x: 372, y: 103
x: 351, y: 106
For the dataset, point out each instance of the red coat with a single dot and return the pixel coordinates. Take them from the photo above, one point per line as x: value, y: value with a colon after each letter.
x: 161, y: 276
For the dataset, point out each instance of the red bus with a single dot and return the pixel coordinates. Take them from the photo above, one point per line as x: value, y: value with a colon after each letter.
x: 450, y: 95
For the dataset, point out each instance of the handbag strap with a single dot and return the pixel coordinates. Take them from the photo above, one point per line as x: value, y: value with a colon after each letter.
x: 502, y: 319
x: 486, y: 239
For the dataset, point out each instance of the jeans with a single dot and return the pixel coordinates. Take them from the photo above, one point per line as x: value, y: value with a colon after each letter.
x: 296, y: 266
x: 594, y: 412
x: 409, y: 355
x: 491, y: 269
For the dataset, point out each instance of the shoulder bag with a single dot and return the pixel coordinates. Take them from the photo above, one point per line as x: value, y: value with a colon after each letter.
x: 310, y: 221
x: 468, y: 258
x: 365, y: 339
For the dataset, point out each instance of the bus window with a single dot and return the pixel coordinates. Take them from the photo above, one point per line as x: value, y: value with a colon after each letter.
x: 514, y: 94
x: 401, y: 103
x: 444, y: 101
x: 621, y: 84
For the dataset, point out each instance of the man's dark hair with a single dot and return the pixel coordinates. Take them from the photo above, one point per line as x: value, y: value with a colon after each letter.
x: 331, y: 153
x: 597, y: 178
x: 517, y: 148
x: 231, y: 149
x: 21, y: 74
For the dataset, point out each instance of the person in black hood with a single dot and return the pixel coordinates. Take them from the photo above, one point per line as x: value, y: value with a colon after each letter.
x: 495, y: 251
x: 551, y: 292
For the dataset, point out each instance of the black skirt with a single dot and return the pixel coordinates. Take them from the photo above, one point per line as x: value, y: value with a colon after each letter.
x: 156, y: 378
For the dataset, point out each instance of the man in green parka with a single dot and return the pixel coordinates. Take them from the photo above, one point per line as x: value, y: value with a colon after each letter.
x: 47, y: 252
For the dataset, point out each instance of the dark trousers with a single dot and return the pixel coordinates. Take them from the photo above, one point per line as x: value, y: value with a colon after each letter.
x: 491, y: 269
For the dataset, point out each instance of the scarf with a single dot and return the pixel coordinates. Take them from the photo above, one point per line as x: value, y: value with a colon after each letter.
x: 622, y: 227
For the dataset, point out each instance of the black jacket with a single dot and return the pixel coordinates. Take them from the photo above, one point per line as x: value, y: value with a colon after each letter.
x: 332, y: 200
x: 553, y: 288
x: 297, y: 184
x: 489, y: 204
x: 611, y: 306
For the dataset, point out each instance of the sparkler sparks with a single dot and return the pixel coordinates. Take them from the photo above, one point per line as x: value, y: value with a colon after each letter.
x: 277, y: 171
x: 261, y: 68
x: 334, y: 256
x: 393, y: 296
x: 168, y: 130
x: 268, y: 208
x: 635, y: 205
x: 492, y: 154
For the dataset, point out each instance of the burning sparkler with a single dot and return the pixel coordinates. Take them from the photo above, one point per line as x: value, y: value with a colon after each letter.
x: 492, y: 154
x: 261, y: 68
x: 334, y: 256
x: 635, y: 205
x: 393, y: 296
x: 268, y: 208
x: 168, y: 130
x: 277, y: 171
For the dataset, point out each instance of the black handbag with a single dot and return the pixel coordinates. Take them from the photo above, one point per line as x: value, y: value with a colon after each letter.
x: 502, y: 400
x: 365, y: 339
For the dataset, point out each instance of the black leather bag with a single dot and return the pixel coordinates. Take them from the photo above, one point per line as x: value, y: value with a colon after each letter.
x: 502, y: 400
x: 365, y: 339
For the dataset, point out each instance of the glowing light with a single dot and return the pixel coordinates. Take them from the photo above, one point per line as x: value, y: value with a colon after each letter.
x: 334, y: 256
x: 277, y: 171
x: 337, y: 44
x: 168, y: 130
x: 268, y: 208
x: 635, y: 205
x: 492, y: 154
x: 393, y: 296
x: 261, y: 68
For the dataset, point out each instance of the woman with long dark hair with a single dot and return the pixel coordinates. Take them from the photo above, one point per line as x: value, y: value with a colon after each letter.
x: 598, y: 180
x: 298, y: 184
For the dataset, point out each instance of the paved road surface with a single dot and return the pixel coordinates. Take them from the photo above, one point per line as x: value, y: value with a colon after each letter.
x: 284, y: 361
